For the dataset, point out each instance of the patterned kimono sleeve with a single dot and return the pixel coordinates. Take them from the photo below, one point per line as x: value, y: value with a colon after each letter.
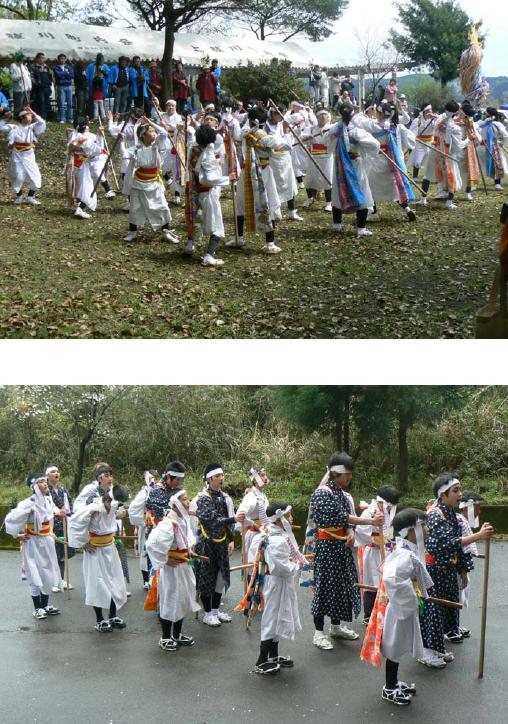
x: 206, y: 510
x: 442, y: 543
x: 328, y: 511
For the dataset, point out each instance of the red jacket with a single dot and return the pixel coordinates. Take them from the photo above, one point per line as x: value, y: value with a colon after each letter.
x: 206, y: 85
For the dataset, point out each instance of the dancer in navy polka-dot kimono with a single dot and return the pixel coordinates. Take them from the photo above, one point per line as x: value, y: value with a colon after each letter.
x: 332, y: 510
x: 448, y: 565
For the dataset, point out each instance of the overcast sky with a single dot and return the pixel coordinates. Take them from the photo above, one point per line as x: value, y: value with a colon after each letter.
x: 379, y: 17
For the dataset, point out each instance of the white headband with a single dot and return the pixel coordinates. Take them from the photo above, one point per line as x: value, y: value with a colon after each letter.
x: 170, y: 101
x: 471, y: 519
x: 256, y: 477
x: 388, y: 514
x: 174, y: 474
x: 420, y: 544
x: 215, y: 471
x: 447, y: 486
x: 147, y: 477
x: 51, y: 469
x: 279, y: 513
x: 340, y: 469
x: 427, y: 108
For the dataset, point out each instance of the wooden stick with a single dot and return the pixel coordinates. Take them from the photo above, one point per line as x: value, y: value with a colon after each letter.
x: 437, y: 150
x: 251, y: 565
x: 484, y: 608
x: 300, y: 143
x: 66, y: 558
x: 402, y: 172
x: 430, y: 599
x: 113, y: 148
x: 244, y: 558
x: 107, y: 149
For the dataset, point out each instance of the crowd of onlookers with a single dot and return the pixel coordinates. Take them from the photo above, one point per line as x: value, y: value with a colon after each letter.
x: 76, y: 88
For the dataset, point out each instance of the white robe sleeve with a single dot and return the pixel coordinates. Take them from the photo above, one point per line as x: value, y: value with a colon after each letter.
x: 137, y: 508
x: 79, y: 523
x: 277, y: 557
x: 210, y: 172
x: 397, y: 577
x: 15, y: 520
x: 159, y: 542
x: 39, y: 126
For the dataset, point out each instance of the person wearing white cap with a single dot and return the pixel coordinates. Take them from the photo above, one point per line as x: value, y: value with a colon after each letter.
x: 299, y: 119
x: 138, y: 518
x: 129, y: 139
x: 282, y: 165
x: 368, y: 539
x: 322, y: 154
x: 333, y: 514
x: 448, y: 564
x: 422, y: 157
x: 406, y: 582
x: 281, y: 618
x: 217, y: 519
x: 23, y: 167
x: 161, y: 491
x: 31, y: 522
x: 169, y: 546
x: 254, y: 504
x: 62, y: 500
x: 172, y: 171
x: 93, y: 528
x: 147, y: 199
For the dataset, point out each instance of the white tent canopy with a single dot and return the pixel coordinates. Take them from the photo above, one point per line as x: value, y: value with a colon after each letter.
x: 83, y: 42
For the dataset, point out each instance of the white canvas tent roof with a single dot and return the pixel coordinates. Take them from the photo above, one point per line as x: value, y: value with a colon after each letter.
x: 83, y: 42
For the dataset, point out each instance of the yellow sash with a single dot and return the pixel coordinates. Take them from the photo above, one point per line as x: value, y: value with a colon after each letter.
x: 100, y: 541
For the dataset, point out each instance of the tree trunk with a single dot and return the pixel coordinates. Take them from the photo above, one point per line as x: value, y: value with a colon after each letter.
x: 338, y: 431
x: 403, y: 453
x: 167, y: 58
x: 347, y: 424
x: 78, y: 475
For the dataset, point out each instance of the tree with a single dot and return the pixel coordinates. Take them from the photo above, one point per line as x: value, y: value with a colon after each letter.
x: 426, y: 90
x: 436, y: 32
x: 377, y: 55
x: 37, y: 9
x: 268, y: 80
x: 288, y: 18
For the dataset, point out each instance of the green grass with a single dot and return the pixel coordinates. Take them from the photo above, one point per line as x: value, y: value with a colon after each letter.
x: 64, y: 277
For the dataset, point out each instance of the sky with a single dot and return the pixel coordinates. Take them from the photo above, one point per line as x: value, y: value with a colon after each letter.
x: 378, y: 17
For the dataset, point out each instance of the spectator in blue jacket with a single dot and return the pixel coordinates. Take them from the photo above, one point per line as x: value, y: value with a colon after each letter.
x: 97, y: 75
x: 4, y: 104
x: 139, y: 79
x: 120, y: 84
x: 64, y: 75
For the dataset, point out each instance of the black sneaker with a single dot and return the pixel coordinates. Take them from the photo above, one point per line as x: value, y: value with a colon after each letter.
x: 406, y: 688
x: 52, y: 611
x: 285, y: 662
x: 454, y: 638
x: 465, y: 633
x: 411, y: 215
x: 117, y: 622
x: 103, y: 626
x: 185, y: 641
x: 167, y: 644
x: 395, y: 696
x: 268, y: 667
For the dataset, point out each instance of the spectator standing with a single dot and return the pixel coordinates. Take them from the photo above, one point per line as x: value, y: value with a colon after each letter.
x: 348, y: 85
x: 97, y: 75
x: 21, y: 82
x: 81, y: 88
x: 180, y: 87
x: 217, y: 72
x: 391, y: 91
x: 155, y: 80
x: 42, y: 83
x: 314, y: 78
x: 4, y: 104
x: 64, y: 75
x: 336, y: 89
x: 139, y: 85
x: 120, y: 84
x: 206, y: 85
x: 324, y: 88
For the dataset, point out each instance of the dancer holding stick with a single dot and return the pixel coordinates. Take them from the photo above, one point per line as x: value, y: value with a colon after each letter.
x: 110, y: 154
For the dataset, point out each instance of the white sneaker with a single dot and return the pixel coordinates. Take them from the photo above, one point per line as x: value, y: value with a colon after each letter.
x: 33, y: 201
x: 131, y: 236
x: 338, y: 227
x: 469, y: 197
x: 19, y: 199
x: 167, y: 235
x: 499, y: 187
x: 450, y: 205
x: 110, y: 194
x: 442, y: 195
x: 328, y: 207
x: 363, y: 232
x: 342, y: 632
x: 293, y: 216
x: 321, y: 641
x: 210, y: 620
x: 308, y: 202
x: 423, y: 201
x: 39, y: 613
x: 432, y: 660
x: 447, y: 656
x: 209, y: 260
x: 71, y: 587
x: 373, y: 218
x: 301, y: 185
x: 177, y: 201
x: 272, y: 248
x: 234, y: 244
x: 126, y: 208
x: 81, y: 213
x: 189, y: 247
x: 146, y: 586
x: 224, y: 617
x: 55, y: 589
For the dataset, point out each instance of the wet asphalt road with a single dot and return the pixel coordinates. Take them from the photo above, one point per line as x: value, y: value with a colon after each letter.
x: 61, y: 671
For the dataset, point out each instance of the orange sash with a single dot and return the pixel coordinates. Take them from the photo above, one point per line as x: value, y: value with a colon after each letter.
x: 23, y: 146
x: 147, y: 175
x: 45, y: 530
x: 101, y: 541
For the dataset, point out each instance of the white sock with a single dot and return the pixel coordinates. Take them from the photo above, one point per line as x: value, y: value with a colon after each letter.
x: 320, y: 633
x: 215, y: 611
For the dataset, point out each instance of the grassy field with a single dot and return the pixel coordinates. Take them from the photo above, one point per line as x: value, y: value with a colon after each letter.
x: 65, y: 277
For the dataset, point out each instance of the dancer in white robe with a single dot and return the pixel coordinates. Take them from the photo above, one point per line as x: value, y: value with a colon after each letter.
x: 23, y: 167
x: 449, y: 139
x: 84, y: 147
x: 322, y: 154
x: 170, y: 546
x: 282, y: 165
x: 147, y: 199
x: 31, y: 522
x: 254, y: 504
x: 281, y: 618
x: 492, y: 156
x: 422, y: 157
x: 129, y: 139
x: 92, y: 527
x: 137, y: 515
x: 404, y: 570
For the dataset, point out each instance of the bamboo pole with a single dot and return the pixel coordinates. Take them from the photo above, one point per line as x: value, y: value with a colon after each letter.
x: 402, y: 172
x: 113, y: 148
x: 484, y: 608
x: 244, y: 557
x: 66, y: 559
x: 430, y: 599
x: 107, y: 149
x: 251, y: 565
x: 438, y: 150
x: 300, y: 143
